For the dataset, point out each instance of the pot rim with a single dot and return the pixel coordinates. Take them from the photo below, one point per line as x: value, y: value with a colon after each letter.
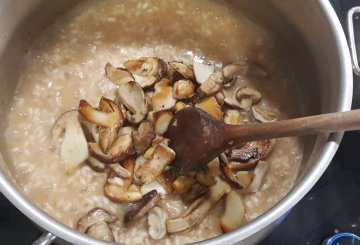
x: 264, y: 220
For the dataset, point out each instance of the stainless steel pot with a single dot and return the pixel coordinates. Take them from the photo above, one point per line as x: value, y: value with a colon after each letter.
x: 321, y: 56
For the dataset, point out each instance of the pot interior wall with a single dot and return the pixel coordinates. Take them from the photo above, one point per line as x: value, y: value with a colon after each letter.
x: 311, y: 46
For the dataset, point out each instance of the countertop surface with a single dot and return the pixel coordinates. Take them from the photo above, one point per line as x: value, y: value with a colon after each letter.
x: 331, y: 206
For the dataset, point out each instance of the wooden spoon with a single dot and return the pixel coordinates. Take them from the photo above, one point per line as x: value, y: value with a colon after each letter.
x: 197, y: 138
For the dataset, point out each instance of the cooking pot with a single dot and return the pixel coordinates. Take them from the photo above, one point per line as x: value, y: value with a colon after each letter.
x: 319, y: 53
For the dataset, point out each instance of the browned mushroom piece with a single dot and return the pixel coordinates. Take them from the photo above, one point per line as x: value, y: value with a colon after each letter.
x: 213, y: 84
x: 258, y: 180
x: 118, y: 75
x: 73, y: 149
x: 143, y: 136
x: 133, y: 98
x: 161, y: 158
x: 211, y: 107
x: 246, y: 157
x: 163, y: 98
x: 183, y: 184
x: 216, y: 192
x: 146, y: 70
x: 183, y: 89
x: 95, y: 164
x: 121, y: 148
x: 195, y: 192
x: 234, y: 215
x: 142, y: 207
x: 182, y: 70
x: 118, y: 189
x: 161, y: 120
x: 107, y: 135
x: 102, y: 232
x: 93, y: 217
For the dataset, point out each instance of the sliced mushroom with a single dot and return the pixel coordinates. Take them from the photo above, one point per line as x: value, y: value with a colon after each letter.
x: 58, y: 127
x: 161, y: 120
x: 220, y: 97
x: 183, y: 184
x: 142, y: 207
x: 183, y: 89
x: 248, y: 155
x: 143, y: 136
x: 234, y: 215
x: 102, y: 232
x: 157, y: 223
x: 179, y: 106
x: 184, y: 70
x: 234, y: 70
x: 133, y: 97
x: 107, y: 136
x: 202, y: 71
x: 216, y: 192
x: 263, y: 115
x: 159, y: 139
x: 244, y: 178
x: 196, y: 192
x: 147, y: 70
x: 122, y: 193
x: 232, y: 117
x: 121, y: 148
x: 102, y: 118
x: 247, y: 97
x: 162, y: 157
x: 205, y: 178
x: 149, y: 152
x: 230, y: 93
x: 211, y: 106
x: 213, y: 84
x: 118, y: 75
x: 73, y: 150
x: 96, y: 164
x: 166, y: 179
x: 120, y: 170
x: 259, y: 174
x: 155, y: 185
x: 125, y: 130
x: 163, y: 98
x: 93, y: 217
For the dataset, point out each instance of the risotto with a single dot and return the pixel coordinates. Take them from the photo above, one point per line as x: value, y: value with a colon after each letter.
x: 146, y: 60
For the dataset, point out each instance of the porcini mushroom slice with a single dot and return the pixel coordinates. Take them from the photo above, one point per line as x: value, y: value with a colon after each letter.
x: 163, y: 98
x: 161, y: 120
x: 234, y: 215
x: 102, y: 232
x: 95, y: 216
x: 142, y: 207
x: 263, y: 115
x: 247, y: 97
x: 247, y: 156
x: 96, y: 164
x: 216, y: 192
x: 205, y: 178
x: 133, y: 97
x: 120, y: 170
x: 202, y: 71
x: 157, y: 223
x: 232, y: 117
x: 118, y: 75
x: 58, y: 127
x: 234, y: 70
x: 184, y: 70
x: 74, y: 148
x: 122, y: 193
x: 147, y: 70
x: 196, y: 191
x: 121, y: 148
x: 183, y: 89
x: 107, y: 136
x: 155, y: 185
x: 259, y: 174
x: 230, y: 93
x: 183, y: 184
x: 211, y: 106
x: 244, y: 178
x: 102, y: 118
x: 212, y: 84
x: 143, y: 136
x: 162, y: 157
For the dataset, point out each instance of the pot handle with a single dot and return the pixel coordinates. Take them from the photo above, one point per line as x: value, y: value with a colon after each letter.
x: 45, y: 239
x: 352, y: 41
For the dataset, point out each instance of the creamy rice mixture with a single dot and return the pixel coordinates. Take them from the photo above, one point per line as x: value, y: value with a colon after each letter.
x: 66, y: 64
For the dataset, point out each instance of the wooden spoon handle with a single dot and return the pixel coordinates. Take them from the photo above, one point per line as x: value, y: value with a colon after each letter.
x: 325, y: 123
